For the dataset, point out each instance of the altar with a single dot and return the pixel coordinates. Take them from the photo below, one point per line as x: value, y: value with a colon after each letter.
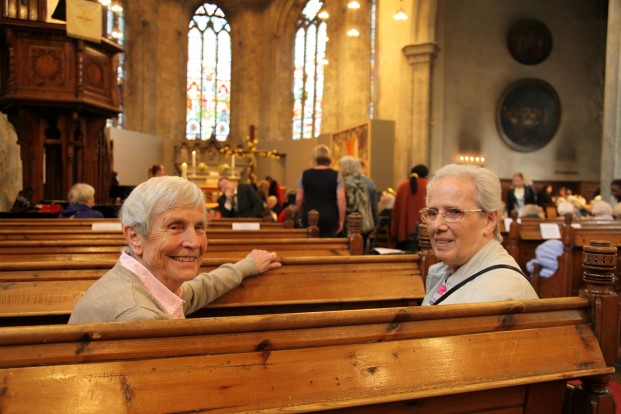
x: 204, y: 162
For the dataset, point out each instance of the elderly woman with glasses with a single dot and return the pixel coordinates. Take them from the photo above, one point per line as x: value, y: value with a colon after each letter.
x: 463, y: 206
x: 157, y: 275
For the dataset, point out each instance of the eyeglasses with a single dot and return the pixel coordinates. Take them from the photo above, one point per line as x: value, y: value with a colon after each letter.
x: 451, y: 214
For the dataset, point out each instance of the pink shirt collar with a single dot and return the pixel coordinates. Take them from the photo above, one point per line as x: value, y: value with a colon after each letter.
x: 171, y: 301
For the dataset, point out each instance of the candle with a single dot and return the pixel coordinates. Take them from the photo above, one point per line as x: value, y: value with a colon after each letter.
x: 233, y: 164
x: 184, y: 170
x: 193, y: 163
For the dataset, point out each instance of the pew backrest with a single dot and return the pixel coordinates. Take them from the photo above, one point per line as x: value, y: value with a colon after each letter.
x: 495, y: 357
x: 302, y: 284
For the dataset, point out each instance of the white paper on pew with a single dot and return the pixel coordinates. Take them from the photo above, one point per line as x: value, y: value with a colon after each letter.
x: 107, y: 226
x: 550, y: 231
x: 246, y: 226
x: 576, y: 225
x: 386, y: 250
x: 508, y: 222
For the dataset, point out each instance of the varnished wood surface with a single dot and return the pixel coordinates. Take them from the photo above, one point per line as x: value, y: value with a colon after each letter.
x: 71, y: 250
x: 54, y: 288
x: 307, y: 362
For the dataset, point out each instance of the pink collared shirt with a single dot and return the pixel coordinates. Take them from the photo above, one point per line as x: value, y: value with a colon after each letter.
x: 171, y: 301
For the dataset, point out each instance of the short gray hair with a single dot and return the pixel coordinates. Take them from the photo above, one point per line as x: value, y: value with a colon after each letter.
x: 601, y: 208
x: 486, y: 183
x: 155, y: 196
x: 350, y: 166
x: 80, y: 193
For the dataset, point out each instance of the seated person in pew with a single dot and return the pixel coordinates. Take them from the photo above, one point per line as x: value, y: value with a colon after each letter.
x: 81, y: 201
x: 156, y: 276
x: 463, y: 206
x: 601, y: 210
x: 616, y: 211
x: 239, y: 200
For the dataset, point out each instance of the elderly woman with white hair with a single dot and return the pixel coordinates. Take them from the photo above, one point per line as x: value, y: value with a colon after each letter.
x: 157, y: 275
x: 357, y: 195
x: 81, y: 201
x: 601, y: 210
x: 463, y: 206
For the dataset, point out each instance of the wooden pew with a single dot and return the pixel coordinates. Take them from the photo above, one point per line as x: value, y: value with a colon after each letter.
x: 85, y: 250
x: 46, y: 292
x: 503, y: 357
x: 85, y: 234
x: 57, y: 223
x: 526, y: 236
x: 79, y: 250
x: 66, y: 230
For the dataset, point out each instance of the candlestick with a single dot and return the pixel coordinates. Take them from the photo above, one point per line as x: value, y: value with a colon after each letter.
x: 184, y: 170
x: 233, y: 164
x: 193, y: 163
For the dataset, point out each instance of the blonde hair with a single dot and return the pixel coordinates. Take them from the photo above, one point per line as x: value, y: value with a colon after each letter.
x: 322, y: 155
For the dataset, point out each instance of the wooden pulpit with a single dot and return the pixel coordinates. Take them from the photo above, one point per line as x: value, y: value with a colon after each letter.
x: 58, y: 92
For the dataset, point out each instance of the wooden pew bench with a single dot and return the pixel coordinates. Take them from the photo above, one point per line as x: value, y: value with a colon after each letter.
x: 84, y: 250
x: 526, y: 237
x: 47, y: 292
x: 63, y: 223
x: 503, y: 357
x: 85, y: 234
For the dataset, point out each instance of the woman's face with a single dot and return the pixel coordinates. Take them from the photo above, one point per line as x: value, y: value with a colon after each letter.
x: 517, y: 181
x: 456, y: 243
x: 173, y: 249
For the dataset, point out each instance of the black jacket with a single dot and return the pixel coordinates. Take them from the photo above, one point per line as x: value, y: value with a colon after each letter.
x: 529, y: 198
x: 249, y: 204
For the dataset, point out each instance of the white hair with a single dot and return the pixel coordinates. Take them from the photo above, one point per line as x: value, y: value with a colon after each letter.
x: 486, y: 184
x: 564, y: 208
x: 157, y: 195
x: 601, y: 208
x: 80, y: 193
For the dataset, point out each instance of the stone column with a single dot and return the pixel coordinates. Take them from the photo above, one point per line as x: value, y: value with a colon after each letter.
x: 420, y: 57
x: 611, y: 139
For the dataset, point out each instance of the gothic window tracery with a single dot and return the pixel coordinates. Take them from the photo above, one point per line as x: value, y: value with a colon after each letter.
x: 208, y: 75
x: 308, y: 76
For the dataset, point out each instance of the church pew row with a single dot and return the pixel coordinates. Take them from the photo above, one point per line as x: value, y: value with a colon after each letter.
x: 503, y: 357
x: 81, y: 250
x: 526, y: 236
x: 65, y: 223
x: 85, y: 234
x: 66, y: 232
x: 78, y: 250
x: 47, y: 292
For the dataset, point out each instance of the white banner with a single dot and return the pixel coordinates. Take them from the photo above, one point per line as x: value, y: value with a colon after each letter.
x: 84, y: 20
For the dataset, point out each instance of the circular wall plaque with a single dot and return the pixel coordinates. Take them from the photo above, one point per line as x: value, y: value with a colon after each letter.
x: 528, y: 114
x: 529, y: 41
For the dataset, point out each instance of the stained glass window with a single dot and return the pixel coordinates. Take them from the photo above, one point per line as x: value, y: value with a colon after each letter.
x: 114, y: 29
x: 208, y: 75
x: 308, y: 75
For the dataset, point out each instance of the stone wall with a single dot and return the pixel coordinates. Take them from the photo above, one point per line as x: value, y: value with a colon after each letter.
x: 470, y: 70
x: 10, y: 160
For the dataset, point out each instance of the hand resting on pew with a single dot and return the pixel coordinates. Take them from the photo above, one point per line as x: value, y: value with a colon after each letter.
x: 157, y: 275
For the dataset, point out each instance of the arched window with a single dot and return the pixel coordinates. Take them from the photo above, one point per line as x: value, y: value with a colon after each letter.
x: 114, y: 29
x: 209, y: 75
x: 308, y: 77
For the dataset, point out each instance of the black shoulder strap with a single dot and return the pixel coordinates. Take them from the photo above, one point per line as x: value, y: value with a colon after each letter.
x: 474, y: 276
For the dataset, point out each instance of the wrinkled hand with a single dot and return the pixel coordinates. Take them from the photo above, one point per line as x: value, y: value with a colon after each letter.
x: 265, y: 260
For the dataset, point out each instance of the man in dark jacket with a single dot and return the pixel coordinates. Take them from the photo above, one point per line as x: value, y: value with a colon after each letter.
x: 239, y: 200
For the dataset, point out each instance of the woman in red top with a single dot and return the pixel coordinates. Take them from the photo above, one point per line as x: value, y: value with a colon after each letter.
x: 409, y: 201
